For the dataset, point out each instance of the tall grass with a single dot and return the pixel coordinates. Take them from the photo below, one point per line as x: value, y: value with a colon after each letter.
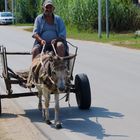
x: 124, y: 16
x: 83, y: 14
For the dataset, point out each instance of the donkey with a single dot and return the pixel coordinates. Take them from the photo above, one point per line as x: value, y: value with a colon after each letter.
x: 51, y: 75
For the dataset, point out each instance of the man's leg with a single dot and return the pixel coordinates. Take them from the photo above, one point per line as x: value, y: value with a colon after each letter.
x: 35, y: 52
x: 60, y: 48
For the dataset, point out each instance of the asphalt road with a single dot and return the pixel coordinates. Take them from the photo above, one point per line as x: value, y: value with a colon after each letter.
x: 114, y: 75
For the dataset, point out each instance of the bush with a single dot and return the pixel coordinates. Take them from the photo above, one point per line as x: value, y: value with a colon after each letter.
x: 83, y: 14
x: 123, y: 14
x: 27, y: 10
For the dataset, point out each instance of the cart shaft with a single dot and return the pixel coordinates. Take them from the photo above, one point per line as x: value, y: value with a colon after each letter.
x: 16, y: 95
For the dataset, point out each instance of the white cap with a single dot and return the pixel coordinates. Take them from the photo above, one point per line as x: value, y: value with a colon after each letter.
x: 47, y: 2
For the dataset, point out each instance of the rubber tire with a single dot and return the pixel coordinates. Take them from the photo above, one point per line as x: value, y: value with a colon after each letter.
x: 83, y: 92
x: 0, y: 107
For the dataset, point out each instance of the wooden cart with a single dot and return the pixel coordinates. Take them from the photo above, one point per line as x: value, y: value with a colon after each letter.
x: 81, y: 86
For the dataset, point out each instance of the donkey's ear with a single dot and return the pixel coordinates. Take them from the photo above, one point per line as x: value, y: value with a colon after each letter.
x: 56, y: 57
x: 69, y: 57
x: 49, y: 70
x: 50, y: 58
x: 42, y: 77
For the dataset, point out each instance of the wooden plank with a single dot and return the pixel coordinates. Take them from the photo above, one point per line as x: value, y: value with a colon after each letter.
x: 16, y: 95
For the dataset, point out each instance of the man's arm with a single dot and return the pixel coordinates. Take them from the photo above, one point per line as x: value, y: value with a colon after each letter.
x: 37, y: 31
x: 39, y: 39
x: 61, y: 29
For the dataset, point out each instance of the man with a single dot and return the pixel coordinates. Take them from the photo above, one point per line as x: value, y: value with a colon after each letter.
x: 49, y: 28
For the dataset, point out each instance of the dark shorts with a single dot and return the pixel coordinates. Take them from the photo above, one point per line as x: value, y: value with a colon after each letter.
x: 49, y: 48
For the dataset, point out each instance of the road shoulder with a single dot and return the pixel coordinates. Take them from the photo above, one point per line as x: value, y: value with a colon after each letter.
x: 14, y: 125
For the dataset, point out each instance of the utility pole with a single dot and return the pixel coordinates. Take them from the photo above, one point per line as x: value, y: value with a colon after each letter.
x: 99, y: 19
x: 107, y: 18
x: 6, y: 9
x: 13, y: 10
x: 12, y: 5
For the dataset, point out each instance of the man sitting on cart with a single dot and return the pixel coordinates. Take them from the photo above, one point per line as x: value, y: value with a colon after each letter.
x: 49, y: 28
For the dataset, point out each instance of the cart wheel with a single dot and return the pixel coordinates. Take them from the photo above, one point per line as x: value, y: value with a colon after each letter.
x: 82, y: 89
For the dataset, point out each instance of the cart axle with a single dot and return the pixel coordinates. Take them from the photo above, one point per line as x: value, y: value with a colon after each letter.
x: 16, y: 95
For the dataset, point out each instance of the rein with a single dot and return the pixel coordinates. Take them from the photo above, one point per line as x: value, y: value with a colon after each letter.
x: 41, y: 55
x: 58, y: 100
x: 43, y: 66
x: 51, y: 65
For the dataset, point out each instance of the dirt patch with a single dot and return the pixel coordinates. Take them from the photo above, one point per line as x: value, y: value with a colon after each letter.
x: 15, y: 126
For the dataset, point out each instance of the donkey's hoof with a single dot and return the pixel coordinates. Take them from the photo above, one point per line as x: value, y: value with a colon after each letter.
x: 40, y: 107
x: 58, y: 126
x: 48, y: 122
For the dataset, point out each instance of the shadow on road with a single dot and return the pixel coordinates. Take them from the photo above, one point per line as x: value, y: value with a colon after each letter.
x: 87, y: 121
x: 80, y: 121
x: 8, y: 115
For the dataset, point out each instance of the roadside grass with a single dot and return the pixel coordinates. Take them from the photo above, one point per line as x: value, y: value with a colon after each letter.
x: 129, y: 40
x: 25, y: 24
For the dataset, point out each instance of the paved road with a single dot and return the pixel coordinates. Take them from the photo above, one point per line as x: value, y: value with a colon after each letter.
x: 114, y: 75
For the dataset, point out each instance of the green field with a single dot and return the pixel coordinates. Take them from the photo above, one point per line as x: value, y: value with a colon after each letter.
x: 129, y: 39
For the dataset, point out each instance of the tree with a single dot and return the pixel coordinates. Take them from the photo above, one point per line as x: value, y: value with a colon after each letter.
x: 27, y: 10
x: 2, y: 5
x: 135, y: 1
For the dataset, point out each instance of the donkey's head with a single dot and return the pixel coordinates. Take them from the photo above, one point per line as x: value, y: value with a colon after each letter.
x: 59, y: 73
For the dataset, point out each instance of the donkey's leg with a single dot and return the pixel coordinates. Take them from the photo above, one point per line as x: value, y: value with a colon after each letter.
x: 47, y: 100
x: 40, y: 101
x: 39, y: 97
x: 57, y: 121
